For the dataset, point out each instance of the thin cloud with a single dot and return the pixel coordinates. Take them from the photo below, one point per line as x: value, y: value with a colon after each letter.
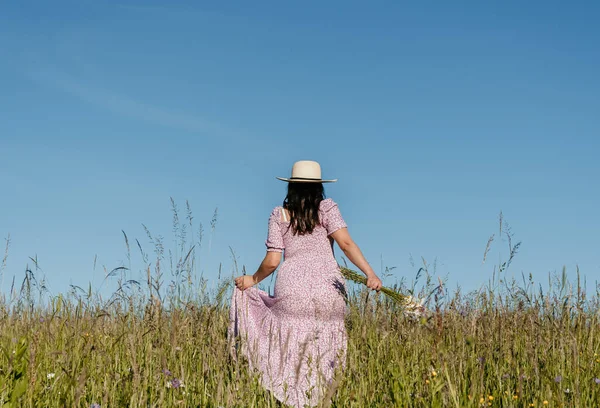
x: 126, y: 106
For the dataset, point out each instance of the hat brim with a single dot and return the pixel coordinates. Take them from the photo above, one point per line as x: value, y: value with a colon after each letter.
x: 301, y: 180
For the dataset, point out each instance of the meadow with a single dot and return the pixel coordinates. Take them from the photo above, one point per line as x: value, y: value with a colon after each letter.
x: 162, y: 342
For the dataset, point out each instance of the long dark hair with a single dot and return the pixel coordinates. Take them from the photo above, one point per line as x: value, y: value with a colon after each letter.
x: 302, y: 202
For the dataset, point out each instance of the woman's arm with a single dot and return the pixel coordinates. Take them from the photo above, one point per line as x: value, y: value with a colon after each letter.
x: 267, y: 267
x: 352, y: 251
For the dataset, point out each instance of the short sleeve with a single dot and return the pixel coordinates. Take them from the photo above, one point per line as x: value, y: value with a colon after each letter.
x: 331, y: 218
x: 274, y: 241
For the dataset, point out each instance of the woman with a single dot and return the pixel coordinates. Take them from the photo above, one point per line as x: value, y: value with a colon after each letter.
x: 297, y: 338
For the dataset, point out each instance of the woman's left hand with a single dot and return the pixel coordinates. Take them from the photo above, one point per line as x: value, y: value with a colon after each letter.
x: 244, y: 282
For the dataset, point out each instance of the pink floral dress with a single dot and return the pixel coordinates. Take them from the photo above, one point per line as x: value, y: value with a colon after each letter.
x: 296, y: 338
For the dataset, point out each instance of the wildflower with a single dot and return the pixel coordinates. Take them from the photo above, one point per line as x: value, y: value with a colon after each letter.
x: 481, y: 400
x: 177, y: 383
x: 177, y: 348
x: 557, y: 379
x: 567, y: 391
x: 426, y: 381
x: 95, y: 405
x: 168, y: 385
x: 167, y: 372
x: 433, y: 373
x: 413, y: 307
x: 515, y: 397
x: 545, y: 402
x: 50, y: 376
x: 597, y: 381
x: 481, y: 360
x: 491, y: 398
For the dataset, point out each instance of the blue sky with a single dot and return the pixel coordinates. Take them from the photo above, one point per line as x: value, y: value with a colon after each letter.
x: 434, y: 116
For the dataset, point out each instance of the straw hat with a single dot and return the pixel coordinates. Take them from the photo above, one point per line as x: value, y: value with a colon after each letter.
x: 306, y: 171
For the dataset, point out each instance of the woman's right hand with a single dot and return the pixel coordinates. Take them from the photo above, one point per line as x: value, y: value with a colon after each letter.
x: 373, y: 282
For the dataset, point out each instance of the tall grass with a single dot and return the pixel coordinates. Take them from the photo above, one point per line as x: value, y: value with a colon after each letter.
x: 162, y: 342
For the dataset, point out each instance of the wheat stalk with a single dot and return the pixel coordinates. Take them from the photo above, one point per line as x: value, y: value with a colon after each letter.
x: 391, y: 293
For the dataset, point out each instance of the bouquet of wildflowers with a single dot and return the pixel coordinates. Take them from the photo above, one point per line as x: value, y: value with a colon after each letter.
x: 412, y: 307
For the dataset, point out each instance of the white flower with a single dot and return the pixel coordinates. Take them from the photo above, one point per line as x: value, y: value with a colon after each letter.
x: 414, y: 308
x: 50, y: 376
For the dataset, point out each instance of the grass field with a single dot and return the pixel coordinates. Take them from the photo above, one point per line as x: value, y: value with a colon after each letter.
x: 506, y: 345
